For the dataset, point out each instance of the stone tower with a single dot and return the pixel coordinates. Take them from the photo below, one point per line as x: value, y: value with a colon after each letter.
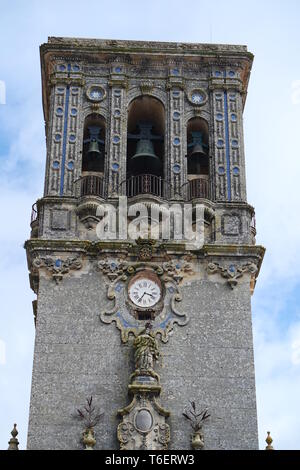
x: 143, y: 324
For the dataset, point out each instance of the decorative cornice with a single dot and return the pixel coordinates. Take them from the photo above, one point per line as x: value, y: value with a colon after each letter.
x: 65, y: 80
x: 232, y: 273
x: 91, y: 247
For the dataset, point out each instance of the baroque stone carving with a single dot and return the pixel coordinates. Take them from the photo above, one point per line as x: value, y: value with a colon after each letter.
x: 232, y: 273
x: 56, y: 266
x: 146, y: 86
x: 143, y: 426
x: 119, y: 273
x: 145, y: 248
x: 146, y: 352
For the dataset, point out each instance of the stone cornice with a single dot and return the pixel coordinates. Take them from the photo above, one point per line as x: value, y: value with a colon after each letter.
x: 166, y: 53
x: 121, y: 46
x: 92, y: 248
x: 230, y: 261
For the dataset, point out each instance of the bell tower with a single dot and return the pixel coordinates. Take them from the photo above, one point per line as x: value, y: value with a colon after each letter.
x: 142, y: 251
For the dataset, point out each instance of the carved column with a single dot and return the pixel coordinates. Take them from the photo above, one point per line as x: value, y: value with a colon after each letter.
x: 175, y: 164
x: 62, y: 144
x: 226, y: 102
x: 117, y: 145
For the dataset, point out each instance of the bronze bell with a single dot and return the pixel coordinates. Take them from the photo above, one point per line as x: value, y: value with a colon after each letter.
x: 145, y: 160
x: 197, y: 146
x: 94, y: 150
x: 93, y: 159
x: 197, y: 158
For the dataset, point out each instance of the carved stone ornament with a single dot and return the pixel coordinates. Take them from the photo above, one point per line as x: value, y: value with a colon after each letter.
x: 145, y: 249
x: 146, y: 86
x: 13, y: 442
x: 88, y: 439
x: 119, y: 273
x: 143, y: 426
x: 56, y: 266
x: 232, y: 273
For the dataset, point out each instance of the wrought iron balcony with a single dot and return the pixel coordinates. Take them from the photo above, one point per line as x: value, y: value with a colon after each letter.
x: 91, y: 185
x: 197, y: 188
x: 147, y: 184
x: 34, y: 213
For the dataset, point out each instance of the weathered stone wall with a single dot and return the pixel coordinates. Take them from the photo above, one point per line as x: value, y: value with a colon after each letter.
x: 210, y: 360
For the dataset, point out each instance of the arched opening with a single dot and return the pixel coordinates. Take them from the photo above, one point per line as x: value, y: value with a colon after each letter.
x: 197, y: 158
x: 93, y: 156
x: 93, y: 152
x: 145, y: 146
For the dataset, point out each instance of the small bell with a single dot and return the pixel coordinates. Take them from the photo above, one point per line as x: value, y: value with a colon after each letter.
x: 197, y: 145
x: 93, y: 150
x: 197, y: 158
x: 93, y: 159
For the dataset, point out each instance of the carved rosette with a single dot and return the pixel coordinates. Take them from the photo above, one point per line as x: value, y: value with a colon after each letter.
x: 118, y: 274
x: 233, y: 273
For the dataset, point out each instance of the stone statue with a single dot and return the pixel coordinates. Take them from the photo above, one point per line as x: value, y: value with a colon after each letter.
x: 146, y: 350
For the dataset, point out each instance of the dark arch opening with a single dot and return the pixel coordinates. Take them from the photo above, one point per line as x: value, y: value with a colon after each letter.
x: 93, y: 151
x: 145, y: 137
x: 197, y: 149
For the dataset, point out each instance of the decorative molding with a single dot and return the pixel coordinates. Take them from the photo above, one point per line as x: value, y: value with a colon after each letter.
x: 146, y: 86
x: 232, y: 273
x: 177, y: 269
x: 145, y: 249
x: 56, y: 266
x: 65, y: 80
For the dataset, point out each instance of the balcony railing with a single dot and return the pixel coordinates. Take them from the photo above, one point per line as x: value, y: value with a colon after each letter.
x: 147, y: 184
x: 196, y: 188
x: 91, y: 185
x: 94, y: 185
x: 34, y: 213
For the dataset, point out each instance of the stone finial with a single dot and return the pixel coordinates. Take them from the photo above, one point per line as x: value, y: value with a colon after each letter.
x: 269, y: 441
x: 13, y: 442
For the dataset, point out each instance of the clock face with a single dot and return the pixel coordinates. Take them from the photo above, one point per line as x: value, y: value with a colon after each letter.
x: 144, y: 292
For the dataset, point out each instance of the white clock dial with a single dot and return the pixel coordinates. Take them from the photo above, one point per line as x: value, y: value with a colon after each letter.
x: 144, y: 292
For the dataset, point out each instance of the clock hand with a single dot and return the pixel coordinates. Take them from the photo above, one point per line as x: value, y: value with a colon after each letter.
x: 151, y: 295
x: 142, y: 296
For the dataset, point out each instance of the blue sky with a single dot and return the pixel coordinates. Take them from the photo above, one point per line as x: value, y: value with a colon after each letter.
x: 271, y: 30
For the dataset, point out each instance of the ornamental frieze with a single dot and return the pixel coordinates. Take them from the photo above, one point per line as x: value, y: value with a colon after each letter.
x: 232, y: 272
x: 57, y: 267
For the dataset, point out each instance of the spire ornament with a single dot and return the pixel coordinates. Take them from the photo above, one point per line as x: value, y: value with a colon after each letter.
x: 13, y: 442
x: 269, y: 441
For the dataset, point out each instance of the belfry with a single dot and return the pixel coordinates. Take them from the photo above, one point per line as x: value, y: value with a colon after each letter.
x: 143, y: 320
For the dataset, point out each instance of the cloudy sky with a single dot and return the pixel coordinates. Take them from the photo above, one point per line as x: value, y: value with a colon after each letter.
x: 271, y: 30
